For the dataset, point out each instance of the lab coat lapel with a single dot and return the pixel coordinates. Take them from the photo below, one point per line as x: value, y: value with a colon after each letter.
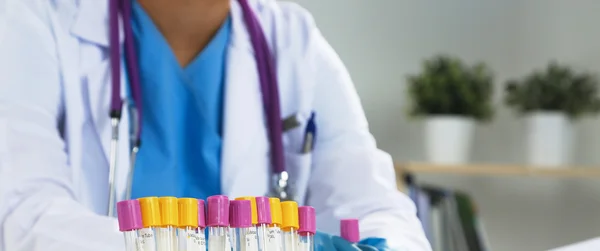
x: 91, y: 28
x: 245, y: 146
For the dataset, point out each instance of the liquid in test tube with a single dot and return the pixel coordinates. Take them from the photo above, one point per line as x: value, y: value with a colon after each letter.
x: 218, y: 223
x: 274, y: 241
x: 349, y: 230
x: 169, y: 218
x: 151, y: 221
x: 308, y: 228
x: 244, y: 236
x: 189, y: 237
x: 130, y: 221
x: 263, y: 218
x: 289, y: 224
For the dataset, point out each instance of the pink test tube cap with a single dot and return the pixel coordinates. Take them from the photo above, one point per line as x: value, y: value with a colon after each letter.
x: 218, y: 211
x: 307, y: 219
x: 129, y: 215
x: 263, y: 210
x: 349, y: 230
x: 201, y: 214
x: 240, y: 213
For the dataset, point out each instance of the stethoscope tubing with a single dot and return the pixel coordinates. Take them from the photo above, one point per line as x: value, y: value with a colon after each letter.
x: 268, y: 83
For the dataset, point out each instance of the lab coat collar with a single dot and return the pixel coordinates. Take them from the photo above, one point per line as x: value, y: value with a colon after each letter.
x: 91, y: 24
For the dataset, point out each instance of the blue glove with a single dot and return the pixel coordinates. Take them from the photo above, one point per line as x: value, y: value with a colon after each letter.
x: 376, y: 243
x: 326, y: 242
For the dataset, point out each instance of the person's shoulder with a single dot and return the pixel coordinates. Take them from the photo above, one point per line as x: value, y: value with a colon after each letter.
x: 37, y: 11
x: 3, y: 20
x: 35, y: 7
x: 290, y: 12
x: 294, y: 24
x: 20, y: 19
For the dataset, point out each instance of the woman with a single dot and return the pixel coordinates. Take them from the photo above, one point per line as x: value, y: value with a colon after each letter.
x: 203, y: 125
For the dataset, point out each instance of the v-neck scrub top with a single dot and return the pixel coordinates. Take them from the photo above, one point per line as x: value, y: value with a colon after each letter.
x: 183, y: 112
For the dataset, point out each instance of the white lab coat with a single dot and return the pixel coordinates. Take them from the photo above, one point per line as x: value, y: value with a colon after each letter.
x: 55, y: 130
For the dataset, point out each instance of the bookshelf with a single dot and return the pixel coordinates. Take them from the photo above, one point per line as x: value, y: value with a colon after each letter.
x: 497, y: 170
x: 493, y: 170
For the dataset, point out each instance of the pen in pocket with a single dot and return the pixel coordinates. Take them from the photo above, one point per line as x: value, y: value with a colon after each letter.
x: 310, y: 135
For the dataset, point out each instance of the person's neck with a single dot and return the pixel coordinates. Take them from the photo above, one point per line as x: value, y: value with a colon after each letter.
x: 187, y: 25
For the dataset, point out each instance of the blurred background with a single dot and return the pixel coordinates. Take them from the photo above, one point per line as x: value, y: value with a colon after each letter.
x: 382, y: 42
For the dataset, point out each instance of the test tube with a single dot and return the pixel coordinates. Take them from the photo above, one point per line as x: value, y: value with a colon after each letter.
x: 263, y: 219
x: 244, y: 234
x: 308, y: 228
x: 189, y: 237
x: 130, y: 221
x: 349, y: 230
x: 169, y: 218
x: 252, y: 209
x: 201, y: 225
x: 289, y: 223
x: 218, y: 223
x: 274, y: 242
x: 151, y: 221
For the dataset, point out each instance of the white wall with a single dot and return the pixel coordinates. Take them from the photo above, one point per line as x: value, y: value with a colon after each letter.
x: 382, y: 41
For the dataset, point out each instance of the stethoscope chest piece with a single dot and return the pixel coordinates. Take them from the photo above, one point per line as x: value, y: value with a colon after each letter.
x: 281, y: 187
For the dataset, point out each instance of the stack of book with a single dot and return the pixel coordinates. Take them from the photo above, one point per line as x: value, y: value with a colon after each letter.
x: 449, y: 218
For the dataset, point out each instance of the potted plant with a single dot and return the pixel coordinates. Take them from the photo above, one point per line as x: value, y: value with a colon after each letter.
x: 551, y: 99
x: 451, y: 96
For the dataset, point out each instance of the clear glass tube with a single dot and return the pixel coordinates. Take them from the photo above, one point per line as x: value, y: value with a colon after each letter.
x: 273, y: 239
x: 182, y: 239
x: 166, y: 239
x: 131, y: 241
x: 290, y: 240
x: 262, y: 233
x: 191, y: 239
x: 218, y: 239
x: 244, y: 239
x: 147, y: 237
x: 306, y: 242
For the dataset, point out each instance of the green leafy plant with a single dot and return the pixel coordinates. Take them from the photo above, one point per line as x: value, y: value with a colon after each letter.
x: 557, y: 88
x: 446, y: 86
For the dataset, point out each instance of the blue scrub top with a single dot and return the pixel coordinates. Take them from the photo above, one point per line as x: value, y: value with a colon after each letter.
x: 181, y: 139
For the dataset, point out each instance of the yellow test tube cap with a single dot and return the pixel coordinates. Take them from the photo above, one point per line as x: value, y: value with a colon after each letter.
x: 150, y: 211
x: 169, y: 211
x: 252, y: 207
x: 275, y: 205
x: 289, y: 211
x: 188, y: 212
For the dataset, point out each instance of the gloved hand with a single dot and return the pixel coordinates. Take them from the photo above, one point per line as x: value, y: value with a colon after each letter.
x: 377, y: 243
x: 326, y: 242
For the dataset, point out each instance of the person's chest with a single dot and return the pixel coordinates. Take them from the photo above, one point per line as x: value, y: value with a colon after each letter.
x: 245, y: 146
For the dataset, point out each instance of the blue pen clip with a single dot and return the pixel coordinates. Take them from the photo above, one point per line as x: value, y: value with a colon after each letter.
x: 310, y: 135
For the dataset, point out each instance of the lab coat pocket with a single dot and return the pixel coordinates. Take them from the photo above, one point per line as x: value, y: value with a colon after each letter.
x: 295, y: 130
x: 298, y: 166
x: 297, y: 157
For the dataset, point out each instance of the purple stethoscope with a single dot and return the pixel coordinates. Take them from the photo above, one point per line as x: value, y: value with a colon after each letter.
x: 268, y: 86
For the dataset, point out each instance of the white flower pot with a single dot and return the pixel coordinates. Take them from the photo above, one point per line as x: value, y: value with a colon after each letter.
x: 550, y: 139
x: 448, y: 139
